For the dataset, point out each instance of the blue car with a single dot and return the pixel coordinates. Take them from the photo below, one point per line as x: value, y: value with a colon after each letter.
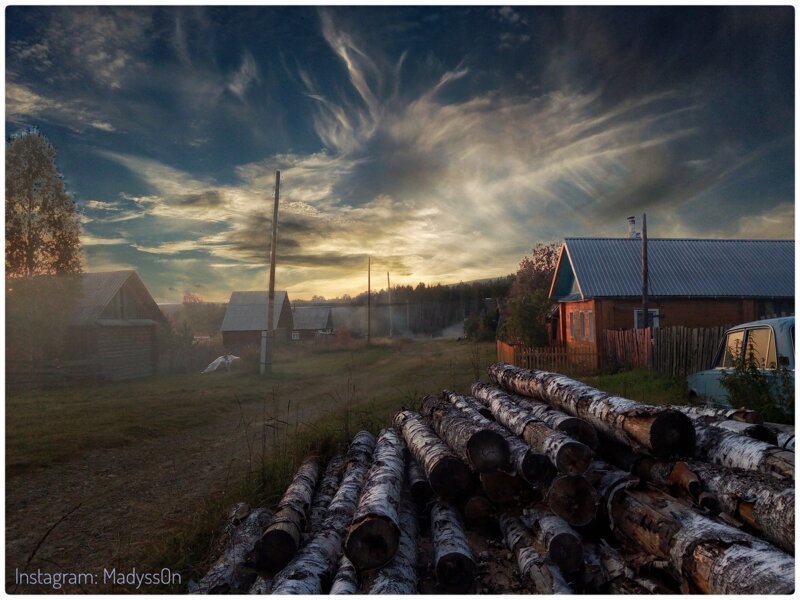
x: 771, y: 342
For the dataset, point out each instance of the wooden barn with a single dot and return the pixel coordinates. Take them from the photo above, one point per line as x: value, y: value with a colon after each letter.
x: 692, y: 282
x: 311, y: 322
x: 115, y: 324
x: 246, y: 317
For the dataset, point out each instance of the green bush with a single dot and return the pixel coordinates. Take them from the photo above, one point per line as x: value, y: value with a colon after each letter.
x: 748, y: 386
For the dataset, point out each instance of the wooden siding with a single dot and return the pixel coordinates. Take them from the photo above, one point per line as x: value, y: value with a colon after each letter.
x: 126, y: 352
x: 688, y: 312
x: 243, y: 339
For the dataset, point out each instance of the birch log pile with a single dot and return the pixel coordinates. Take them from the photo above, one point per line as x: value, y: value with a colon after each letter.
x: 534, y: 467
x: 447, y: 475
x: 670, y: 475
x: 574, y: 427
x: 229, y: 573
x: 662, y: 431
x: 329, y: 483
x: 375, y: 530
x: 313, y: 568
x: 485, y: 450
x: 400, y: 575
x: 567, y: 455
x: 282, y: 537
x: 453, y: 561
x: 416, y: 481
x: 543, y: 573
x: 555, y: 539
x: 762, y: 502
x: 722, y: 447
x: 715, y: 558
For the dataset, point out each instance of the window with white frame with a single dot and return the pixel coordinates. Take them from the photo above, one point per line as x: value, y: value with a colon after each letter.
x: 653, y: 318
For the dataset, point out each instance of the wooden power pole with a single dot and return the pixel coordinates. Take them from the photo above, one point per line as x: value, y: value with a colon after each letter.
x: 389, y: 291
x: 267, y: 344
x: 369, y: 297
x: 645, y: 311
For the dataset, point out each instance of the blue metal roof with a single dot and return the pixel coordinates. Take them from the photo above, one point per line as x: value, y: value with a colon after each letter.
x: 611, y: 267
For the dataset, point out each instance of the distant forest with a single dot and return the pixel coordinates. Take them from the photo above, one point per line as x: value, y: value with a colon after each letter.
x: 417, y: 311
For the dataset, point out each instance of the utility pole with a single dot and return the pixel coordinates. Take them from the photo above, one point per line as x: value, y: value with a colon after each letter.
x: 267, y: 344
x: 369, y: 297
x: 645, y: 312
x: 389, y: 290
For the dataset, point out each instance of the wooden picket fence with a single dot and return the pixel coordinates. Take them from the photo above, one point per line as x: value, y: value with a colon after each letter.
x: 558, y: 359
x: 679, y: 351
x: 675, y: 351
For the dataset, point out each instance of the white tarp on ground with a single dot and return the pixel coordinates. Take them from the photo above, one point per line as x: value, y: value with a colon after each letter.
x: 225, y: 361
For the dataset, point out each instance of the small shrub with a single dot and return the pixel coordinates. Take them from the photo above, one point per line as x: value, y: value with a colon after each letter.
x: 749, y: 387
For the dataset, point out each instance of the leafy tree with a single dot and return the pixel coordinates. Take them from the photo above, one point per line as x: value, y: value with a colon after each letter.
x: 42, y: 225
x: 42, y: 239
x: 527, y: 304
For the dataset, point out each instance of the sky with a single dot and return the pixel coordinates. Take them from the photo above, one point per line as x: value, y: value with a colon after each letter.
x: 444, y: 142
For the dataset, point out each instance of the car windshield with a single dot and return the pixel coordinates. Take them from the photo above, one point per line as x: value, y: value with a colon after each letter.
x: 733, y: 349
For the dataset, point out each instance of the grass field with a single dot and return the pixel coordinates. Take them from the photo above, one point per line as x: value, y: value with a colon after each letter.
x: 162, y: 459
x: 49, y: 426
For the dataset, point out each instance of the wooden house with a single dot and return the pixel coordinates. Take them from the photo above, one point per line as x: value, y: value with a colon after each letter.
x: 311, y: 322
x: 246, y: 317
x: 115, y: 325
x: 692, y: 282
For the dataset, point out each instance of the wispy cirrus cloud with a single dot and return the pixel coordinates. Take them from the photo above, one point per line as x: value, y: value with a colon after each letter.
x: 441, y: 161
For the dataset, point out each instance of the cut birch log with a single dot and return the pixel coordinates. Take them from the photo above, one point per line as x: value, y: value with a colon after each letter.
x: 785, y: 440
x: 737, y: 414
x: 623, y: 586
x: 761, y: 501
x: 665, y: 474
x: 567, y: 455
x: 715, y: 558
x: 345, y: 582
x: 663, y: 431
x: 574, y: 427
x: 780, y: 427
x: 282, y: 537
x: 313, y: 568
x: 400, y: 575
x: 556, y: 540
x: 486, y: 451
x: 375, y: 531
x: 543, y: 574
x: 501, y: 488
x: 477, y: 510
x: 722, y: 447
x: 751, y: 430
x: 534, y: 467
x: 454, y: 564
x: 573, y: 498
x: 261, y: 586
x: 328, y: 485
x: 230, y: 573
x: 416, y: 481
x: 447, y: 475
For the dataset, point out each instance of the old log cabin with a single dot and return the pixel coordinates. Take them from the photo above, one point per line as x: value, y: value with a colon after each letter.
x: 597, y: 284
x: 311, y: 322
x: 246, y: 317
x: 115, y: 325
